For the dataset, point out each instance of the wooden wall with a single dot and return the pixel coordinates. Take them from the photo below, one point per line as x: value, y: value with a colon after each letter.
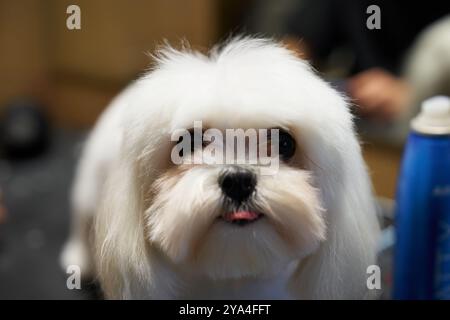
x: 76, y: 72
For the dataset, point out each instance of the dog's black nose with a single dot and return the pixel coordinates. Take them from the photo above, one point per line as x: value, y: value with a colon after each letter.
x: 237, y: 183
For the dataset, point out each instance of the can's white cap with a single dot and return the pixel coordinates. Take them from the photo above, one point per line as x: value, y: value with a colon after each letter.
x: 434, y: 117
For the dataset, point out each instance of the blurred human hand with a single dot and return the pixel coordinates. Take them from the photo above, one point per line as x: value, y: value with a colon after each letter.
x: 379, y: 94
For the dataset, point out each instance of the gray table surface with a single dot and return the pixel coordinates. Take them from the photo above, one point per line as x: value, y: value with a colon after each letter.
x: 35, y: 192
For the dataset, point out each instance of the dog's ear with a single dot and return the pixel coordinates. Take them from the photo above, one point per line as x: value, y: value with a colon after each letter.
x: 338, y: 269
x: 120, y: 247
x: 122, y: 250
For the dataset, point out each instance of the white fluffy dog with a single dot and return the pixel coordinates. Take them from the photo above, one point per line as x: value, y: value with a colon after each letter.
x: 165, y: 230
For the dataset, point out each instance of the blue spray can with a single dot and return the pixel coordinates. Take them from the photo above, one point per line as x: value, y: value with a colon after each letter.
x: 422, y: 250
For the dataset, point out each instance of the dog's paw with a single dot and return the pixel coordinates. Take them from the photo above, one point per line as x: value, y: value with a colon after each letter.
x: 76, y: 253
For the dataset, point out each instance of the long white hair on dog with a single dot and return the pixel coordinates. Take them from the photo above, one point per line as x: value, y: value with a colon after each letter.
x: 153, y: 220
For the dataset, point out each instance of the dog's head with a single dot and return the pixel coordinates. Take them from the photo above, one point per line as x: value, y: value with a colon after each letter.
x: 232, y: 218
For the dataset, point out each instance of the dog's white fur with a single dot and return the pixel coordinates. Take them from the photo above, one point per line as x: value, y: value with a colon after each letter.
x: 156, y: 228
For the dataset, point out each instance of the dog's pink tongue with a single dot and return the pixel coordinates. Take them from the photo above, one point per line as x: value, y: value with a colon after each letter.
x: 241, y: 215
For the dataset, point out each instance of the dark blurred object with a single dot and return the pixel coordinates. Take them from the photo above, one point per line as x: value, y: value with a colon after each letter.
x: 385, y: 210
x: 24, y: 129
x: 389, y: 69
x: 326, y: 25
x: 2, y: 208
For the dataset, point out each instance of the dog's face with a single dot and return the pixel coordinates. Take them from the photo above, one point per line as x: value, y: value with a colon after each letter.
x: 232, y: 219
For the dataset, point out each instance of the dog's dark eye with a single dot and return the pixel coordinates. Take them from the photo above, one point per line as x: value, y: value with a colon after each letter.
x: 191, y: 135
x: 188, y: 135
x: 286, y: 145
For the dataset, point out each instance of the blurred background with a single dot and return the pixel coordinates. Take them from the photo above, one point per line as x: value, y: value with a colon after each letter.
x: 54, y: 82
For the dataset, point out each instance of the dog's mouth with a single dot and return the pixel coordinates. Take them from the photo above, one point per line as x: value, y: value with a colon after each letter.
x: 241, y: 217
